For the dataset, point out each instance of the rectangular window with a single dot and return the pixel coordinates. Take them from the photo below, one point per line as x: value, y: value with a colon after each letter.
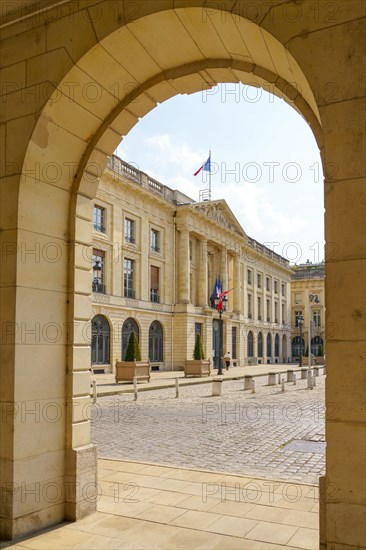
x: 283, y: 289
x: 154, y: 240
x: 233, y: 342
x: 297, y: 315
x: 259, y: 280
x: 267, y: 284
x: 297, y: 298
x: 259, y: 305
x: 276, y: 312
x: 190, y: 250
x: 316, y: 318
x: 268, y: 311
x: 128, y: 278
x: 129, y: 230
x: 283, y: 319
x: 197, y: 330
x: 249, y: 306
x: 98, y: 264
x: 249, y: 274
x: 154, y: 284
x: 99, y: 219
x: 276, y: 287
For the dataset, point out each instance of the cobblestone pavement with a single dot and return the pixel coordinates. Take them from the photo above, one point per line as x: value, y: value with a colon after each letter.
x: 240, y: 432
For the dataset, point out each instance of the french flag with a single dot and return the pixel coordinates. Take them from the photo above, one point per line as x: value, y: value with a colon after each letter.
x: 206, y: 166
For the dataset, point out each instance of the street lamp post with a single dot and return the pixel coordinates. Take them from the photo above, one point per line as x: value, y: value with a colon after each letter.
x: 313, y: 298
x: 300, y: 322
x: 220, y: 305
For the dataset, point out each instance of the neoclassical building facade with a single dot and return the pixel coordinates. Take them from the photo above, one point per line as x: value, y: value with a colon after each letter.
x: 308, y: 309
x: 156, y: 257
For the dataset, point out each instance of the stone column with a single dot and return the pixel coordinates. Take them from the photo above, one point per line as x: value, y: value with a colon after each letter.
x: 184, y: 267
x: 223, y: 271
x: 237, y: 289
x: 202, y: 274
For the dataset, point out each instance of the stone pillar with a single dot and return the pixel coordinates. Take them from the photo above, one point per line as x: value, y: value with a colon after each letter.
x: 202, y: 274
x: 184, y: 267
x: 223, y: 271
x: 237, y: 288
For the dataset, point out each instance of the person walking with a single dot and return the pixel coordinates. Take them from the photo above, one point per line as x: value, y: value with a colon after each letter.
x: 227, y: 359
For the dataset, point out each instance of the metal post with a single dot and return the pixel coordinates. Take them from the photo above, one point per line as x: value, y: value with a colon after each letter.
x: 253, y: 385
x: 300, y: 321
x: 283, y: 384
x: 219, y: 372
x: 294, y: 379
x: 177, y: 387
x: 309, y: 336
x: 135, y: 393
x: 94, y: 391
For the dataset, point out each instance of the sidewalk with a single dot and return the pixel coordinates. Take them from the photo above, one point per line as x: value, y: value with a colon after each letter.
x: 145, y: 506
x: 106, y: 384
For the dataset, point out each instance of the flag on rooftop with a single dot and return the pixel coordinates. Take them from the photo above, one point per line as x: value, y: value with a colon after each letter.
x: 206, y: 166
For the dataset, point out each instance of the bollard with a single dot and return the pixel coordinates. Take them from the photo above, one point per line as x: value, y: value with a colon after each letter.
x: 248, y: 382
x: 314, y: 381
x: 283, y: 384
x: 135, y: 394
x: 316, y: 371
x: 177, y: 387
x: 253, y: 385
x: 310, y: 380
x: 295, y: 379
x: 304, y: 373
x: 272, y: 378
x: 94, y: 391
x: 290, y: 376
x: 324, y: 370
x: 216, y: 387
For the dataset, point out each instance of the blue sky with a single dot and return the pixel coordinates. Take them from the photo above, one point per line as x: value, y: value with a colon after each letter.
x: 265, y: 162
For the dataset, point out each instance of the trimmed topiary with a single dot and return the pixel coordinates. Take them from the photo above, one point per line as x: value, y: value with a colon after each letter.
x: 133, y: 352
x: 198, y: 349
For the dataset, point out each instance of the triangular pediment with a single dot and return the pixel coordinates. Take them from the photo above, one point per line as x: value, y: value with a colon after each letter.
x: 219, y: 212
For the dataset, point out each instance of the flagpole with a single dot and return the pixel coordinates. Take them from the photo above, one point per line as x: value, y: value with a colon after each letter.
x: 209, y: 177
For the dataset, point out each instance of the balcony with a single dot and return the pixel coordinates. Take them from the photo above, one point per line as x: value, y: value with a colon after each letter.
x: 129, y: 293
x: 98, y: 287
x: 154, y: 296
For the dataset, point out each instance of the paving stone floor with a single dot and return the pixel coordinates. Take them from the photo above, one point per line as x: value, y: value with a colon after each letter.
x: 240, y: 432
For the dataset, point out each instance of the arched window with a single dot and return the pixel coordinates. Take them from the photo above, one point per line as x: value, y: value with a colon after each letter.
x: 156, y: 342
x: 260, y: 345
x: 100, y: 340
x: 128, y: 326
x: 277, y: 346
x: 269, y: 345
x: 296, y: 345
x: 316, y: 345
x: 250, y: 344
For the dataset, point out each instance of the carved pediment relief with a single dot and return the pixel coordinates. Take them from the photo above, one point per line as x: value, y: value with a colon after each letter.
x: 220, y: 213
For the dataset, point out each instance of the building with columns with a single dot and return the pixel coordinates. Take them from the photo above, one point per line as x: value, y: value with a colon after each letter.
x: 156, y: 256
x: 308, y: 302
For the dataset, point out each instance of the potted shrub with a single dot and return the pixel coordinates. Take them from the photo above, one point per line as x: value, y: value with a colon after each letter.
x: 198, y: 366
x: 132, y: 366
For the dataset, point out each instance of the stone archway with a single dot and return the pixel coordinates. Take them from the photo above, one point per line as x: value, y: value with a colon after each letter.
x: 56, y: 145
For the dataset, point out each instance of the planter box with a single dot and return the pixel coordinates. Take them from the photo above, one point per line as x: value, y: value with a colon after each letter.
x: 126, y: 371
x: 195, y: 367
